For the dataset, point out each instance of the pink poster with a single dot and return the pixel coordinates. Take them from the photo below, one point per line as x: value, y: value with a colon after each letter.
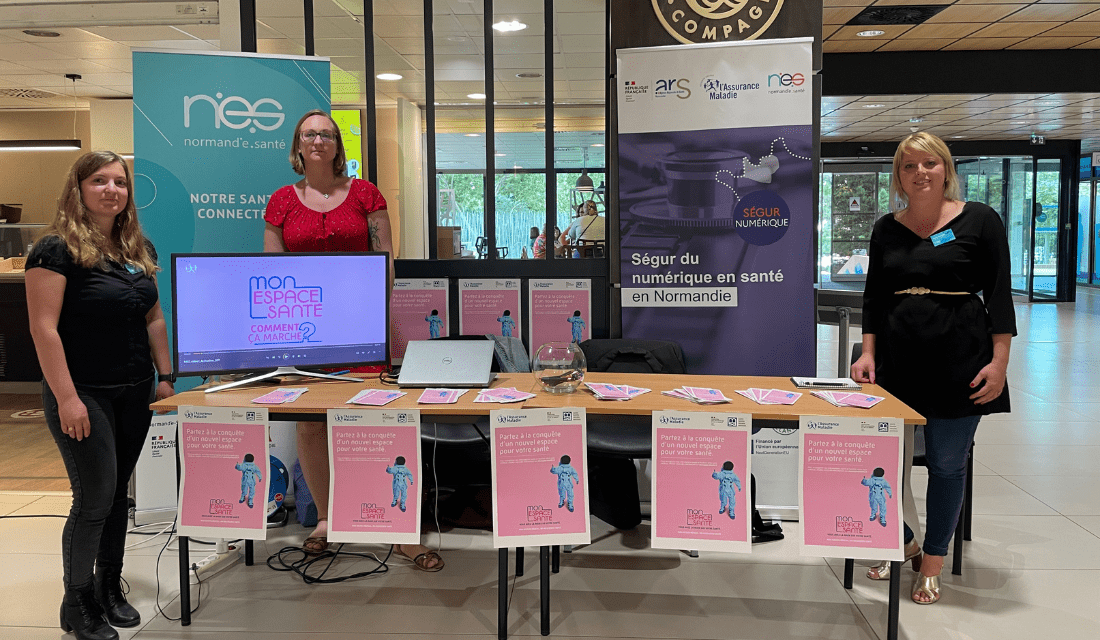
x: 540, y: 477
x: 375, y: 478
x: 850, y: 487
x: 701, y: 481
x: 489, y: 306
x: 418, y: 310
x: 561, y: 311
x: 225, y: 472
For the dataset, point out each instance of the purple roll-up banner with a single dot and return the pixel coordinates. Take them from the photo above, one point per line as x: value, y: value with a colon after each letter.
x: 716, y: 203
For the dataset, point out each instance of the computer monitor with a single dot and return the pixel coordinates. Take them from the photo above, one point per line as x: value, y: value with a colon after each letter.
x: 276, y: 313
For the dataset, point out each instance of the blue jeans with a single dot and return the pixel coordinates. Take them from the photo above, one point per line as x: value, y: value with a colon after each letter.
x: 947, y: 444
x: 99, y: 468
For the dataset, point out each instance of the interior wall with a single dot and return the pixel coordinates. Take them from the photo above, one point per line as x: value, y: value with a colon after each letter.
x: 34, y: 178
x: 389, y: 169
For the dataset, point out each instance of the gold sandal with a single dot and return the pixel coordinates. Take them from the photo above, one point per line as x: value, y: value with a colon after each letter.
x: 929, y: 586
x: 881, y: 571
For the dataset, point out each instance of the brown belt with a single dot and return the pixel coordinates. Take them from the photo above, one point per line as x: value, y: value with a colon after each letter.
x: 920, y: 291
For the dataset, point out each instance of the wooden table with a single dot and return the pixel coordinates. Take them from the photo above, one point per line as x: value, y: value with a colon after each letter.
x: 322, y: 396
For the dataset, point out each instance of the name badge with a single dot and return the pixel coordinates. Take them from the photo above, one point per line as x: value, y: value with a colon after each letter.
x: 942, y: 237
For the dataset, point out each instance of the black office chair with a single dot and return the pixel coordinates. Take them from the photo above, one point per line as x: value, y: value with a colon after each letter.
x: 614, y: 442
x: 962, y: 529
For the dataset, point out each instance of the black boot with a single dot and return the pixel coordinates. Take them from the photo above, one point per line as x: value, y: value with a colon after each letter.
x: 80, y: 614
x: 108, y: 593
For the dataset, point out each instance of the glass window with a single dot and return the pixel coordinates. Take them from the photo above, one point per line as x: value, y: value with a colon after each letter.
x: 1084, y: 246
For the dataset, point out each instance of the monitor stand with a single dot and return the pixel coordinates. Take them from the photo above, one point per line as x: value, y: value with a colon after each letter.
x: 282, y: 371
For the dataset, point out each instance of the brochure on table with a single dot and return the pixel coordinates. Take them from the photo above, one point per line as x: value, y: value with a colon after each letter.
x: 540, y: 477
x: 225, y: 471
x: 418, y: 311
x: 702, y: 481
x: 374, y: 476
x: 489, y: 306
x: 561, y: 311
x: 849, y: 494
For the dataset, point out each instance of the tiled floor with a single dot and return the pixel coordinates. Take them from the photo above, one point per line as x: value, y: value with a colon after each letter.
x: 1033, y: 569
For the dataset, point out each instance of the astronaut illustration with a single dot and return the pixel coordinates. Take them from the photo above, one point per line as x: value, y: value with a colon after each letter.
x: 727, y: 480
x: 435, y: 323
x: 402, y: 478
x: 250, y: 474
x: 507, y: 324
x: 578, y: 325
x: 567, y: 477
x: 877, y: 484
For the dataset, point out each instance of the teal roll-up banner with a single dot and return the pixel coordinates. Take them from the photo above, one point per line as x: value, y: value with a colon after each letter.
x: 212, y: 136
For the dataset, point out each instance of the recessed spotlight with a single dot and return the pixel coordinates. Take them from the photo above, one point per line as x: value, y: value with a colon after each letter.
x: 873, y: 106
x: 500, y: 155
x: 957, y: 137
x: 598, y: 144
x: 870, y: 33
x: 389, y: 76
x: 528, y: 74
x: 916, y: 120
x: 472, y: 135
x: 513, y: 25
x: 476, y: 96
x: 1017, y: 122
x: 41, y: 33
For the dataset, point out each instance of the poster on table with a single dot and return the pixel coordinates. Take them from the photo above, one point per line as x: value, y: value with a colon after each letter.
x: 540, y: 477
x: 849, y: 487
x: 225, y: 472
x: 212, y: 136
x: 701, y: 483
x: 489, y: 307
x: 418, y: 311
x: 716, y: 186
x: 560, y: 311
x: 374, y: 476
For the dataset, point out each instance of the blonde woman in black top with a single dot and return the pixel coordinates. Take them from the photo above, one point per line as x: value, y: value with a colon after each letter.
x: 929, y: 338
x: 99, y: 331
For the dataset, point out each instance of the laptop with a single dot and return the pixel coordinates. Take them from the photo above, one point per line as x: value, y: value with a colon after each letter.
x: 447, y: 363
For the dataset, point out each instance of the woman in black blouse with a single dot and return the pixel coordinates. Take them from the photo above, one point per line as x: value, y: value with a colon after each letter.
x: 929, y: 338
x: 98, y: 329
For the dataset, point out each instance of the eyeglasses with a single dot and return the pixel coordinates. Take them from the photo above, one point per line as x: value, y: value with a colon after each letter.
x: 325, y: 136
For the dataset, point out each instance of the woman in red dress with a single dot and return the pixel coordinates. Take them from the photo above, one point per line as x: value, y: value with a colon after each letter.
x: 328, y: 211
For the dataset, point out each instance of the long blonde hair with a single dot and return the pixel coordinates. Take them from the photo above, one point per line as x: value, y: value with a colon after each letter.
x: 928, y: 143
x: 74, y: 225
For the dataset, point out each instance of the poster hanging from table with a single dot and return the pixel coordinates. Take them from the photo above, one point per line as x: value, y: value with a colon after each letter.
x: 489, y: 306
x: 374, y: 476
x: 849, y: 482
x: 701, y: 482
x: 212, y: 136
x: 540, y: 477
x: 225, y: 472
x: 560, y: 311
x: 716, y: 203
x: 418, y: 311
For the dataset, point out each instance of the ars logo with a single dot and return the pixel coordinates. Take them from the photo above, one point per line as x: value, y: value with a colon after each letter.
x: 692, y: 21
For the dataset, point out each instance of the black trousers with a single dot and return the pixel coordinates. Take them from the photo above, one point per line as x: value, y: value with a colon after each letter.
x: 99, y: 469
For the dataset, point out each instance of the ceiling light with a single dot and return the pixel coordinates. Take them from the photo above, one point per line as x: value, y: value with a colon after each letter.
x: 472, y: 135
x: 514, y: 25
x: 40, y: 33
x: 39, y: 145
x: 598, y: 144
x: 528, y: 74
x: 476, y: 96
x: 456, y: 38
x: 873, y: 106
x: 389, y: 76
x: 500, y: 155
x: 870, y: 33
x: 957, y: 137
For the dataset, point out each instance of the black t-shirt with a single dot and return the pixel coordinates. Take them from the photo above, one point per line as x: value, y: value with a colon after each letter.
x: 102, y: 323
x: 929, y: 347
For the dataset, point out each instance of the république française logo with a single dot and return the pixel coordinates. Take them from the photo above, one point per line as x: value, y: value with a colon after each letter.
x: 692, y: 21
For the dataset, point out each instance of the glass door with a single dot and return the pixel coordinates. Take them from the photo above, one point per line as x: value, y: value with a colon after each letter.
x: 1045, y: 224
x: 1084, y: 231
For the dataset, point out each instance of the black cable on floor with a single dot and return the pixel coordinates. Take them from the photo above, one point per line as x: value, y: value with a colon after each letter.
x: 303, y: 565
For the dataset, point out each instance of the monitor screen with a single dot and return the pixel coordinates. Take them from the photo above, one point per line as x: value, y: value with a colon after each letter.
x: 254, y: 312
